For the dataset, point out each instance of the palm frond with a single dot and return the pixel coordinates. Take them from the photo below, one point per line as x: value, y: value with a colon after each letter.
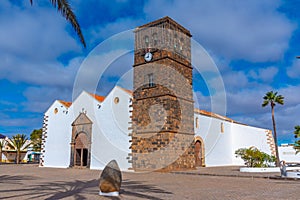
x: 272, y: 98
x: 18, y: 141
x: 297, y: 131
x: 66, y: 11
x: 2, y: 144
x: 279, y: 99
x: 265, y: 103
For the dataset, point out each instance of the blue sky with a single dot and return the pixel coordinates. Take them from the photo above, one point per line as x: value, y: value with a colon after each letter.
x: 253, y: 43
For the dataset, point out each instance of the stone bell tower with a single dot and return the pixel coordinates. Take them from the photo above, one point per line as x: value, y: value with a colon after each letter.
x: 162, y: 106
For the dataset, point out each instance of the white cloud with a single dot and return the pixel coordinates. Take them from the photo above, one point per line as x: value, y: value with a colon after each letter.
x: 294, y: 70
x: 31, y: 42
x: 250, y: 30
x: 35, y: 33
x: 103, y: 31
x: 19, y: 122
x: 234, y: 80
x: 265, y: 74
x: 245, y: 106
x: 201, y: 101
x: 291, y: 95
x: 40, y: 98
x: 42, y: 73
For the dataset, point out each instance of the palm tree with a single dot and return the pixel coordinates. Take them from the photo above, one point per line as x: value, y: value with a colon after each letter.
x: 2, y: 145
x: 297, y: 135
x: 19, y: 143
x: 272, y: 98
x: 66, y: 11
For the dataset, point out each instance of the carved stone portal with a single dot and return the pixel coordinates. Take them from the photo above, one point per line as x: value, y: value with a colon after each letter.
x: 81, y: 141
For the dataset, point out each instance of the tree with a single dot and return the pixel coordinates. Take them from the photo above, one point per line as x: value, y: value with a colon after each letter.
x: 255, y: 158
x: 297, y: 135
x: 65, y: 9
x: 2, y: 145
x: 19, y: 142
x: 36, y: 139
x: 272, y: 98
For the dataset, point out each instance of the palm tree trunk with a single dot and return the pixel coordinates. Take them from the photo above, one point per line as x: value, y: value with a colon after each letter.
x: 18, y: 157
x: 275, y: 137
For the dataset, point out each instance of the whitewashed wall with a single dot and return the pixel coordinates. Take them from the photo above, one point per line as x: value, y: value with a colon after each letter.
x: 218, y: 149
x: 288, y: 154
x: 59, y: 130
x: 246, y: 136
x: 111, y: 140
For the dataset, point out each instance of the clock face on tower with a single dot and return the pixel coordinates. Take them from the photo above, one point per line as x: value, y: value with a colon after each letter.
x: 148, y: 56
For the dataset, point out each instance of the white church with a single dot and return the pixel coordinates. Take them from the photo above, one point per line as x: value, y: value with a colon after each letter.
x: 108, y: 117
x: 93, y: 130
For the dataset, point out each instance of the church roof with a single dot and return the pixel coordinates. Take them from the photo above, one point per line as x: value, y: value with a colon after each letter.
x: 98, y: 97
x: 217, y: 116
x: 126, y: 90
x: 65, y: 103
x: 214, y: 115
x: 196, y: 110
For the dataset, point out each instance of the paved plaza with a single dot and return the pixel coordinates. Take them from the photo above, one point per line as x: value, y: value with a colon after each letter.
x: 33, y: 182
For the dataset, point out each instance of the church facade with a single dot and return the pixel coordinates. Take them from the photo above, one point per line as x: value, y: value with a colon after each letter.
x: 153, y: 127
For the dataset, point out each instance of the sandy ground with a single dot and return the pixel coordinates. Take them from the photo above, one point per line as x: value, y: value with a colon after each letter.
x: 32, y: 182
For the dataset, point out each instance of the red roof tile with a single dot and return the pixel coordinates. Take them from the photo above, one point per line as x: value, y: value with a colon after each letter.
x: 97, y: 97
x: 65, y: 103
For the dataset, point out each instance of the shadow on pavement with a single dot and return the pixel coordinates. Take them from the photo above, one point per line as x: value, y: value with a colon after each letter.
x: 14, y: 179
x: 54, y: 190
x: 76, y: 189
x: 138, y: 189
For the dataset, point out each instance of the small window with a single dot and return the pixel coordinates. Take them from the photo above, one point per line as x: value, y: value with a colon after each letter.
x: 197, y: 122
x: 150, y: 80
x: 116, y: 100
x: 222, y: 127
x: 181, y: 44
x: 55, y: 111
x: 154, y: 39
x: 147, y: 40
x: 175, y: 42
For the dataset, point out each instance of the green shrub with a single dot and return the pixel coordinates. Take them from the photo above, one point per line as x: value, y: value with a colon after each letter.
x: 255, y: 158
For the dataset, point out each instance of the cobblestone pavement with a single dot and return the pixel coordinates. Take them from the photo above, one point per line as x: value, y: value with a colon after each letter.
x: 32, y: 182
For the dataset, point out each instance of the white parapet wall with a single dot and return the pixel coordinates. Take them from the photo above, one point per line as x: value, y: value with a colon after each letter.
x: 267, y: 169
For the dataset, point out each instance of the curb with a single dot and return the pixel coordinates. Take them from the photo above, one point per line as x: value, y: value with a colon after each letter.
x: 236, y: 176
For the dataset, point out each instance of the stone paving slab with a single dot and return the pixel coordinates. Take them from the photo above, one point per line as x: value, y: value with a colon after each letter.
x: 32, y: 182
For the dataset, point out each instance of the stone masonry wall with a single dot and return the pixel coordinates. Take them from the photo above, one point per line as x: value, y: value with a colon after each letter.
x: 163, y: 107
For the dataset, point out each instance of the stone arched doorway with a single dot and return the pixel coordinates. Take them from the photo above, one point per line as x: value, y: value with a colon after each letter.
x: 81, y: 150
x: 199, y: 152
x: 81, y: 141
